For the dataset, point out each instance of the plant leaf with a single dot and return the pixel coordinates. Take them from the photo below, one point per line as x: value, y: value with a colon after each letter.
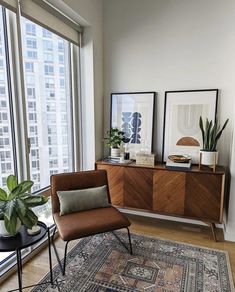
x: 14, y: 193
x: 11, y: 182
x: 225, y: 124
x: 9, y: 208
x: 26, y: 220
x: 29, y: 219
x: 2, y: 204
x: 207, y: 133
x: 211, y: 133
x: 21, y: 207
x: 33, y: 201
x: 3, y: 195
x: 11, y: 224
x: 202, y: 130
x: 25, y: 186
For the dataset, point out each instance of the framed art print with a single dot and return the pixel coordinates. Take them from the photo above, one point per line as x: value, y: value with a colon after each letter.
x: 133, y: 114
x: 181, y: 133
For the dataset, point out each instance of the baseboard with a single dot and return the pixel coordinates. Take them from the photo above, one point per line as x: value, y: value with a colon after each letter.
x: 229, y: 233
x: 165, y: 217
x: 229, y: 236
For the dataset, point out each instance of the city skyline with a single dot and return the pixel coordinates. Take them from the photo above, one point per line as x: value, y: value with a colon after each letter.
x: 48, y: 105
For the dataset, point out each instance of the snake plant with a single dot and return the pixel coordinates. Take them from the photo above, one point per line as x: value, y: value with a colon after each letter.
x: 17, y: 202
x: 211, y: 133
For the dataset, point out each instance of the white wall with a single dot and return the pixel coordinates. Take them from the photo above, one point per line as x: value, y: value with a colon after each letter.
x: 90, y: 15
x: 160, y: 45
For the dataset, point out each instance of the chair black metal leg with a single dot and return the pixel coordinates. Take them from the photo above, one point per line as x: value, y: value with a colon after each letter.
x: 62, y: 268
x: 65, y: 255
x: 129, y: 236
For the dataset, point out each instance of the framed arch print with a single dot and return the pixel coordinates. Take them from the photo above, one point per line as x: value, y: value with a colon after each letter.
x: 133, y: 113
x: 181, y: 132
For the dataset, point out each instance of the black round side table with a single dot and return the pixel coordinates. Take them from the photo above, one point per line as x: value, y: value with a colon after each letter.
x: 22, y: 240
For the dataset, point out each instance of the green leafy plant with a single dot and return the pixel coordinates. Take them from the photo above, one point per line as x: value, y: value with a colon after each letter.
x: 115, y: 138
x: 211, y: 133
x: 17, y: 203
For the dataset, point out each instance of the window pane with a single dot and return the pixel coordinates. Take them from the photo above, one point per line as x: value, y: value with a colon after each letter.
x: 6, y: 140
x: 47, y: 82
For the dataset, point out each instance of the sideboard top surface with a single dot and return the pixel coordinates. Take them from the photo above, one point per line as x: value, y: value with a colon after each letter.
x: 162, y: 166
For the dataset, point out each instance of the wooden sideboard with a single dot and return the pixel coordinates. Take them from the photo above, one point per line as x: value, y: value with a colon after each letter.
x: 193, y: 194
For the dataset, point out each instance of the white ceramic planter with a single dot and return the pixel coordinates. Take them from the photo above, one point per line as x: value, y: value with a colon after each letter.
x: 4, y: 232
x: 115, y: 152
x: 209, y: 157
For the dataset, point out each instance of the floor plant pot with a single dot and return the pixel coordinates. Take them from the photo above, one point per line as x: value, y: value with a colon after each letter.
x: 209, y: 158
x: 115, y: 152
x: 4, y: 232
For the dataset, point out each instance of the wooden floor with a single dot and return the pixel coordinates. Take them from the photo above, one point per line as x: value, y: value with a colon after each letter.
x: 37, y: 267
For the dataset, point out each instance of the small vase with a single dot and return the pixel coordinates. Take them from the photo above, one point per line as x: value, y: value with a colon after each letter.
x: 115, y: 152
x: 4, y: 232
x: 209, y: 157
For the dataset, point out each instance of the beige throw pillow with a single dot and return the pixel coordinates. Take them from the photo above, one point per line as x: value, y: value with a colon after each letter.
x: 81, y: 200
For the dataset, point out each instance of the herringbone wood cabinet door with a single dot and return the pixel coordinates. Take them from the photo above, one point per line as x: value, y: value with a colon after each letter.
x: 169, y: 192
x: 116, y: 183
x: 138, y: 185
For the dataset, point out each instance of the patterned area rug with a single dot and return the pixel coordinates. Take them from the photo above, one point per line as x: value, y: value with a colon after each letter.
x: 101, y: 264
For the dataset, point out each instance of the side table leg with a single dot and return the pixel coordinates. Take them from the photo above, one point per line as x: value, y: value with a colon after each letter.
x: 49, y: 250
x: 19, y: 269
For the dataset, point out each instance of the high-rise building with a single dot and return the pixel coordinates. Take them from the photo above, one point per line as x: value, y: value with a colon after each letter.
x: 47, y: 105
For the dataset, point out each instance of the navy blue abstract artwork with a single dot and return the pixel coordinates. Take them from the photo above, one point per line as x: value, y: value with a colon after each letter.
x: 132, y: 113
x: 132, y: 126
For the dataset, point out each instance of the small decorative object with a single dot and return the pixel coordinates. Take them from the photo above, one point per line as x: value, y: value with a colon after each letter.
x: 145, y: 159
x: 34, y: 230
x: 114, y: 140
x: 15, y: 206
x: 126, y: 151
x: 121, y: 160
x: 127, y: 156
x: 178, y: 162
x: 210, y: 137
x: 179, y: 158
x: 133, y: 113
x: 181, y: 134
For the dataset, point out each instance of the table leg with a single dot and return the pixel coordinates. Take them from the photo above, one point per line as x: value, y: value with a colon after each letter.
x: 19, y: 269
x: 49, y: 250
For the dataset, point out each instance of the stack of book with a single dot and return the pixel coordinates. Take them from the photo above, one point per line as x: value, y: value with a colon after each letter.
x: 181, y: 162
x: 112, y: 159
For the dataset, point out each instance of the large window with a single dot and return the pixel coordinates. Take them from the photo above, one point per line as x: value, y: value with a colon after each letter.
x: 47, y: 113
x: 6, y: 134
x: 38, y: 91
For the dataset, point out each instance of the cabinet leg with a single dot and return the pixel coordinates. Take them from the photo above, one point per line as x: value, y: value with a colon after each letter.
x: 213, y: 229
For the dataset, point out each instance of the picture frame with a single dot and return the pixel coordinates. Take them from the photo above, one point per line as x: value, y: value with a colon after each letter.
x: 182, y: 109
x: 133, y: 113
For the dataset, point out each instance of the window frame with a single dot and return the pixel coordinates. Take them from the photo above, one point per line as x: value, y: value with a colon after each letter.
x: 16, y: 82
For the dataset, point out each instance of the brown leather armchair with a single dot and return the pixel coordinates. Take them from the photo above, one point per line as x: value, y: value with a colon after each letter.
x: 84, y: 223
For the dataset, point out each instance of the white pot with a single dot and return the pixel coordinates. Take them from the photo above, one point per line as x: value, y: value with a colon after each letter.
x: 4, y: 232
x: 209, y: 157
x: 115, y: 152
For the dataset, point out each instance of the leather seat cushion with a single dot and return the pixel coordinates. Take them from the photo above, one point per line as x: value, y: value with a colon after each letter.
x: 77, y: 225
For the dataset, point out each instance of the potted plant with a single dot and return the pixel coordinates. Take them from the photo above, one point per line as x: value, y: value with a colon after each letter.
x: 211, y: 134
x: 114, y: 140
x: 15, y: 206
